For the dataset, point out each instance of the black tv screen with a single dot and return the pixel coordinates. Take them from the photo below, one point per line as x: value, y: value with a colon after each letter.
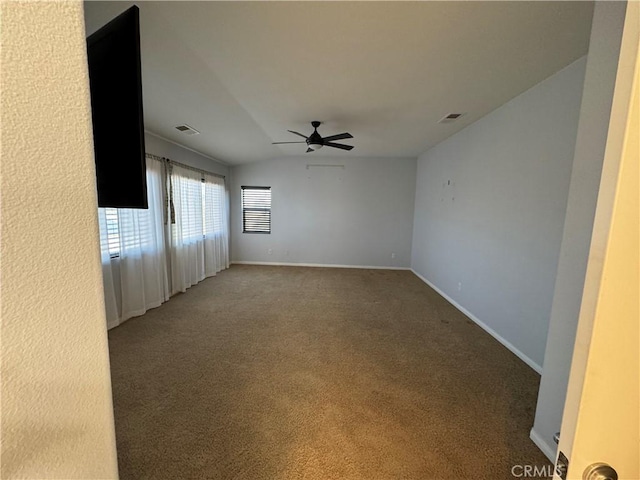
x: 115, y: 79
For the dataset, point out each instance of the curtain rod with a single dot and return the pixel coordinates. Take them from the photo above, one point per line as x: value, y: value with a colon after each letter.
x: 189, y: 167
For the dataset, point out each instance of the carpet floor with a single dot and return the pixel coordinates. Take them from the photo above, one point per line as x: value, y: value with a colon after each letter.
x: 317, y: 373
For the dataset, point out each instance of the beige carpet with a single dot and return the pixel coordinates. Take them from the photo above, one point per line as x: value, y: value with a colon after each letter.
x: 313, y: 373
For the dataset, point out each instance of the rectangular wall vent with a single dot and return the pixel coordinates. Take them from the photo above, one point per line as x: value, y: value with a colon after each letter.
x: 451, y: 117
x: 187, y: 129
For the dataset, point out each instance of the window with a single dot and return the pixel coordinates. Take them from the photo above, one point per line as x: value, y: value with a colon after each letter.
x: 201, y: 202
x: 127, y: 232
x: 256, y: 209
x: 187, y: 190
x: 113, y: 232
x: 214, y: 200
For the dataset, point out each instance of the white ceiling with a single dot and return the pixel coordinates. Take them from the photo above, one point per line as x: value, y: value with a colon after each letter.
x: 243, y: 73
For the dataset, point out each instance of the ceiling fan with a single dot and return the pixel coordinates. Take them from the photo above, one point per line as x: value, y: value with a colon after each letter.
x: 316, y: 142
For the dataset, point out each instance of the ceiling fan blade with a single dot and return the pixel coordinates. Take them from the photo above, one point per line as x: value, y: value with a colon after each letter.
x: 309, y: 150
x: 340, y: 136
x: 280, y: 143
x: 338, y: 145
x: 303, y: 136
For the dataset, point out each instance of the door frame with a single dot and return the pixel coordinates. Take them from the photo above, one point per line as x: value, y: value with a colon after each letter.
x: 586, y: 380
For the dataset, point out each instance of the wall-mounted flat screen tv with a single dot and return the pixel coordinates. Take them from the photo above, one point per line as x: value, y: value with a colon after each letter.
x: 115, y: 78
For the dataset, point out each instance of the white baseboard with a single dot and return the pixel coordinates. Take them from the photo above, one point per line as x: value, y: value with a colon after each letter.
x: 549, y: 450
x: 320, y: 265
x: 484, y: 326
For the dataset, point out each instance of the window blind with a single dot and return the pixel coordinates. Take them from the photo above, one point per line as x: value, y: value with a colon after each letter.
x: 113, y: 232
x: 256, y: 209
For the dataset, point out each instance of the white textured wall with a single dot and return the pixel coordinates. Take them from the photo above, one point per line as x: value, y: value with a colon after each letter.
x: 358, y: 215
x: 489, y: 211
x: 602, y: 63
x: 57, y: 418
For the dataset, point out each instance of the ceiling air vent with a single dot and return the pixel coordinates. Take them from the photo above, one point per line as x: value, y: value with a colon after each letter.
x: 187, y: 129
x: 452, y: 117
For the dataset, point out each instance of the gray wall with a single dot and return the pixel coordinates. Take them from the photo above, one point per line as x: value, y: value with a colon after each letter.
x: 163, y: 148
x: 604, y: 48
x: 358, y: 215
x: 489, y: 211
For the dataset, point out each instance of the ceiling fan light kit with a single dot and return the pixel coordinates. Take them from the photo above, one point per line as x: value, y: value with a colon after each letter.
x: 316, y: 142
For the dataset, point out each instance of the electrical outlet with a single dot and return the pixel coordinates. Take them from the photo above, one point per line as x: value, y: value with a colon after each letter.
x: 270, y: 251
x: 459, y: 286
x: 393, y: 255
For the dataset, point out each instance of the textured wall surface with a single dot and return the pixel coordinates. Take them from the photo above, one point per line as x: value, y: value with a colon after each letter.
x: 329, y: 211
x: 490, y: 204
x: 57, y: 418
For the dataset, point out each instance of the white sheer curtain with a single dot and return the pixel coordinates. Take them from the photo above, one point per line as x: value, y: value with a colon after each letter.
x: 111, y: 306
x: 199, y: 229
x: 143, y: 270
x: 187, y: 229
x: 136, y: 252
x: 216, y: 225
x: 136, y: 258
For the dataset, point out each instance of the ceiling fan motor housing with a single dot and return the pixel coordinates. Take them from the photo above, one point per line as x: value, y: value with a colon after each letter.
x: 315, y: 140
